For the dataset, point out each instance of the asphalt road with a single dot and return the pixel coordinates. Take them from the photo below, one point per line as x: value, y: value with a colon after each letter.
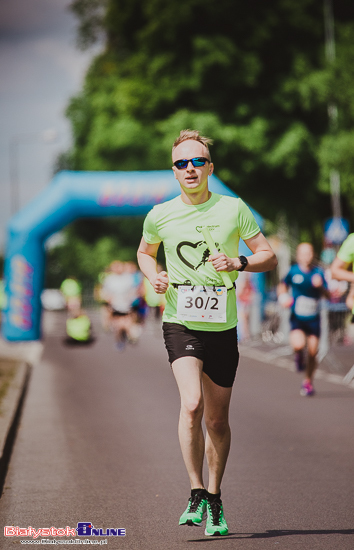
x: 98, y: 443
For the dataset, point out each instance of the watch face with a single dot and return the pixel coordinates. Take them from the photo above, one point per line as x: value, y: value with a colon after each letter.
x: 244, y: 262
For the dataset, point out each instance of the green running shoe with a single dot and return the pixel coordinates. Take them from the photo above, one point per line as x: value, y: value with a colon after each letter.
x: 215, y: 524
x: 196, y: 509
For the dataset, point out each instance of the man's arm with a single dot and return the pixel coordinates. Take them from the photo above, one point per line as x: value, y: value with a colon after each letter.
x: 318, y: 281
x: 350, y: 298
x: 282, y: 288
x: 147, y: 263
x: 262, y: 259
x: 284, y: 298
x: 340, y: 270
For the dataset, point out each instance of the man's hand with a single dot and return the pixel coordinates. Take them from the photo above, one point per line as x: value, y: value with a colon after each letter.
x: 161, y: 283
x: 316, y: 280
x: 221, y: 262
x: 285, y: 300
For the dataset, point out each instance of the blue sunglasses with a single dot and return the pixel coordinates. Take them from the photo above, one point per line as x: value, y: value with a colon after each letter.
x: 197, y: 161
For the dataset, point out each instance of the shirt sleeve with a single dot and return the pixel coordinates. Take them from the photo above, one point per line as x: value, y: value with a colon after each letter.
x: 248, y: 227
x: 287, y: 278
x: 150, y: 232
x: 324, y: 282
x: 346, y: 251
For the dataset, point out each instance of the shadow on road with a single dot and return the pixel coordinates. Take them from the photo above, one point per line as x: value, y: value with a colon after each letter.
x: 277, y: 533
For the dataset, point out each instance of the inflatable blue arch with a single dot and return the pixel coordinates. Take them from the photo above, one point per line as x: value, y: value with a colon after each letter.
x: 72, y: 195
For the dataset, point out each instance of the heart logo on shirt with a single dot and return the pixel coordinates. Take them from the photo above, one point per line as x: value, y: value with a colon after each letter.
x: 205, y: 253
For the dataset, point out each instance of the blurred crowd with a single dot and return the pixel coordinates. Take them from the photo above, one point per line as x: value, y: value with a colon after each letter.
x: 125, y: 298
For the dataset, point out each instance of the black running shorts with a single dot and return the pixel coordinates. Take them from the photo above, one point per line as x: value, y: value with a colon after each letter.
x: 310, y: 328
x: 217, y: 350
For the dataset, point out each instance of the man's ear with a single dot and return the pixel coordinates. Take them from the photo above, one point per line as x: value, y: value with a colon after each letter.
x: 211, y: 168
x: 175, y: 171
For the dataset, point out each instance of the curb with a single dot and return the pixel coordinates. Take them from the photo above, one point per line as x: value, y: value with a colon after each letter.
x: 11, y: 408
x: 271, y: 358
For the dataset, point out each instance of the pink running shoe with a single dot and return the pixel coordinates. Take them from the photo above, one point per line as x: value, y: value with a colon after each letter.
x: 307, y: 389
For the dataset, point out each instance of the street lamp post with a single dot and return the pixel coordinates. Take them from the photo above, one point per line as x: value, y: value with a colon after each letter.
x: 48, y: 136
x: 330, y: 50
x: 13, y: 157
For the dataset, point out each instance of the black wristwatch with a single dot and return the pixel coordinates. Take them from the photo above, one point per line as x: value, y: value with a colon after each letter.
x: 244, y: 263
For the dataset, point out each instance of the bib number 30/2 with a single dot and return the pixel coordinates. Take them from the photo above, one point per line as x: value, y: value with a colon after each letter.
x: 202, y: 303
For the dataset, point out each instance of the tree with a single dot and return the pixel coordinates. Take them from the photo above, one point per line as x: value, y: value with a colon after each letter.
x: 90, y: 246
x: 336, y: 147
x: 252, y: 75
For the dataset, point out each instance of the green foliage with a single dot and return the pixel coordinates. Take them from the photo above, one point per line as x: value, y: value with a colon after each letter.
x: 91, y: 245
x: 91, y: 14
x: 336, y: 147
x: 251, y: 75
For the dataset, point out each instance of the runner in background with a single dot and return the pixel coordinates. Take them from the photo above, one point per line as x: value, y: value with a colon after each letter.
x: 120, y: 291
x: 71, y: 290
x: 307, y: 284
x: 105, y: 311
x: 78, y: 328
x: 138, y: 305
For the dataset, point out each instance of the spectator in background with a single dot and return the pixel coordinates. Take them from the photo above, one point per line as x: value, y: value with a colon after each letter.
x: 337, y: 314
x: 307, y: 284
x: 245, y: 292
x: 343, y: 266
x: 2, y: 297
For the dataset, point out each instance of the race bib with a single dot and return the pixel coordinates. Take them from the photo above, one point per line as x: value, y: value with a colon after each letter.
x: 306, y: 307
x: 202, y: 303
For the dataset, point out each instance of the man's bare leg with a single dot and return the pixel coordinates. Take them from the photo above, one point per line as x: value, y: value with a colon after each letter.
x: 298, y: 343
x: 218, y: 436
x: 312, y: 348
x: 188, y: 373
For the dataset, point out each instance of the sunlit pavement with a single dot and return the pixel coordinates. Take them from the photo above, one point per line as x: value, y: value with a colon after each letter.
x: 98, y: 443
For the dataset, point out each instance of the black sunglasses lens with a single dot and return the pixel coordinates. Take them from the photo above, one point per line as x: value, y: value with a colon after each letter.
x: 197, y: 161
x: 181, y: 164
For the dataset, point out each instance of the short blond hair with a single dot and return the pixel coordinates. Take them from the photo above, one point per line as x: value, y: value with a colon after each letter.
x: 185, y: 135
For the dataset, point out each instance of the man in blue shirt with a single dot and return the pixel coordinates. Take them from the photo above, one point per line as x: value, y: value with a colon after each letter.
x: 308, y: 285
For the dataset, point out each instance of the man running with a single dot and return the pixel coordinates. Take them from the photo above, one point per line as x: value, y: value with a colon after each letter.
x: 342, y: 268
x: 199, y: 321
x: 308, y: 284
x: 71, y: 290
x: 119, y: 291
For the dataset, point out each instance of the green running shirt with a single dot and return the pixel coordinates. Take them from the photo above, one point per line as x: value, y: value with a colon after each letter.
x: 178, y: 226
x: 346, y: 251
x: 78, y: 328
